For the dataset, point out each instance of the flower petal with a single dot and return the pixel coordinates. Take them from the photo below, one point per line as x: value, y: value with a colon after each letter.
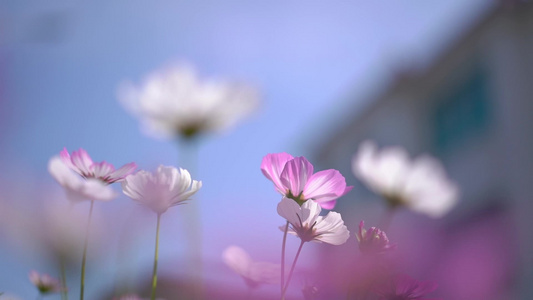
x: 295, y: 175
x: 237, y: 259
x: 102, y: 170
x: 331, y: 229
x: 122, y: 172
x: 272, y: 165
x: 82, y: 161
x: 162, y: 189
x: 290, y: 210
x: 325, y: 186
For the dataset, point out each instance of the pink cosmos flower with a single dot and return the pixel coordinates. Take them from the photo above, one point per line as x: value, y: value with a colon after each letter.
x: 81, y: 163
x: 160, y: 190
x: 77, y: 188
x: 306, y: 223
x: 45, y: 283
x: 403, y: 287
x: 294, y: 178
x: 373, y: 240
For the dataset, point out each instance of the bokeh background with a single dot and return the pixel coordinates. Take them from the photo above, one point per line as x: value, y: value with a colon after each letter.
x: 450, y: 78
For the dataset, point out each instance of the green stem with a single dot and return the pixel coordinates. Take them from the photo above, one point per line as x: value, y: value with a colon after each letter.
x: 283, y: 259
x: 84, y: 259
x: 188, y: 158
x: 292, y: 269
x: 154, y: 275
x: 64, y: 293
x: 386, y: 218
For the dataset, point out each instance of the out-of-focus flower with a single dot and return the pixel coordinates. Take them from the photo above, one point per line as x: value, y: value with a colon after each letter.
x: 81, y: 163
x: 164, y: 188
x: 96, y: 176
x: 253, y: 272
x: 294, y: 179
x: 306, y: 223
x: 45, y: 283
x: 421, y: 184
x: 174, y: 101
x: 403, y: 287
x: 373, y: 240
x: 77, y: 188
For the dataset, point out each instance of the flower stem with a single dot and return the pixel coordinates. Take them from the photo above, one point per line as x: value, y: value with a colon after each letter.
x: 386, y: 218
x: 292, y: 269
x: 64, y: 292
x: 189, y: 154
x: 283, y: 259
x: 154, y: 275
x: 84, y: 259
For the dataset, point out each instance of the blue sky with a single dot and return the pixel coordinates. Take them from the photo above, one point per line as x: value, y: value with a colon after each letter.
x: 61, y: 62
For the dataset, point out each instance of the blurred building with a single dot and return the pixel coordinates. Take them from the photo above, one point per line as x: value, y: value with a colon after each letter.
x: 471, y: 107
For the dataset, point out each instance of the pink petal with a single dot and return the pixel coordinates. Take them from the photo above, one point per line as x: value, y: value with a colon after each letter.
x: 102, y: 169
x: 328, y: 204
x: 296, y: 174
x: 82, y: 161
x: 325, y: 186
x: 272, y: 166
x: 124, y: 171
x: 65, y: 157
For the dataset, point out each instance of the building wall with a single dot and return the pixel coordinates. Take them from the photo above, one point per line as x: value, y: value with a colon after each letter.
x: 474, y: 111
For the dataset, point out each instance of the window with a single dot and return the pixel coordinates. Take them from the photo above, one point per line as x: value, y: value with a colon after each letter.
x: 462, y: 112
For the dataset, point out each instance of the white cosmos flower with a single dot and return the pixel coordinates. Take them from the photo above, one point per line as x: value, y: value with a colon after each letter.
x: 420, y: 184
x: 306, y: 222
x: 77, y: 188
x: 253, y: 272
x: 164, y: 188
x: 174, y: 101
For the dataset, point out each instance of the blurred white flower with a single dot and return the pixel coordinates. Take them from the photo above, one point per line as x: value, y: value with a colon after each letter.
x: 164, y: 188
x: 306, y: 222
x: 45, y: 283
x: 253, y: 272
x: 174, y: 101
x: 421, y: 184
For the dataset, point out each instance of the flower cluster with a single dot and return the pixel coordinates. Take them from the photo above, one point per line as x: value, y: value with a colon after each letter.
x: 84, y: 179
x: 420, y: 185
